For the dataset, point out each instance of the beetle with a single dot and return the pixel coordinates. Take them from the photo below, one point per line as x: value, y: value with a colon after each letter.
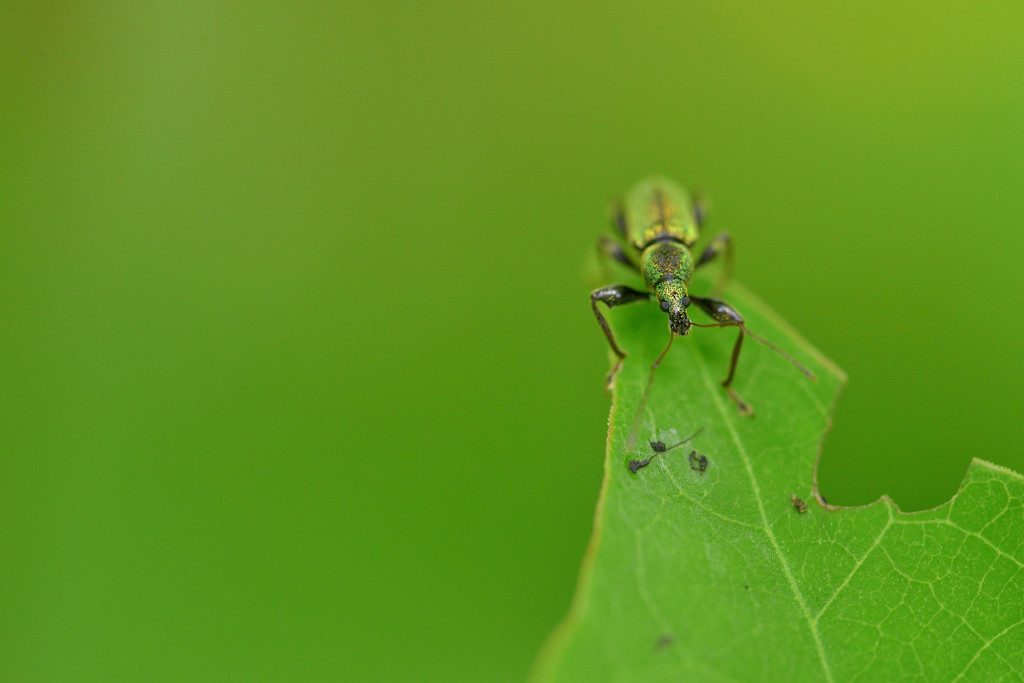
x: 657, y: 224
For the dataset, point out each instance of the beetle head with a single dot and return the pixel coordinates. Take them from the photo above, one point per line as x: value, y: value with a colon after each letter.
x: 675, y: 307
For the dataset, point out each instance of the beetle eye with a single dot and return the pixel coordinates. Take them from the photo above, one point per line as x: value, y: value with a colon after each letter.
x: 685, y: 302
x: 665, y: 305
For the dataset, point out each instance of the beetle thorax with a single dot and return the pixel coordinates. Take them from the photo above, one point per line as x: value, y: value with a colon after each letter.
x: 667, y: 267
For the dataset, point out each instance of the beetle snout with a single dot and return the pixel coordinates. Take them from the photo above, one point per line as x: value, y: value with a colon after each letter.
x: 678, y: 322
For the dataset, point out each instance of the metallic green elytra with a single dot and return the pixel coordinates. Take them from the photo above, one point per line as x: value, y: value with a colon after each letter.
x: 657, y: 225
x: 657, y: 208
x: 661, y: 223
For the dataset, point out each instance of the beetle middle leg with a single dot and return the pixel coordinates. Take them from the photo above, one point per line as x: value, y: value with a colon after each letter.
x: 612, y: 296
x: 721, y: 244
x: 607, y: 248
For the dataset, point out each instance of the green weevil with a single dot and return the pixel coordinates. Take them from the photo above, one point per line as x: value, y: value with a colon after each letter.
x: 658, y: 223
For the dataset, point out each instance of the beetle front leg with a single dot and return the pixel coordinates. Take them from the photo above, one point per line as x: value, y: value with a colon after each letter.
x: 741, y: 405
x: 721, y: 244
x: 611, y: 296
x: 727, y: 316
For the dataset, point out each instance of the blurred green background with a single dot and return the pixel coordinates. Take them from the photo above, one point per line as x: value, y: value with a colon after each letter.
x: 299, y: 376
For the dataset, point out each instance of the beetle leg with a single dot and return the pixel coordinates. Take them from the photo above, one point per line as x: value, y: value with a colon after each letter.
x: 700, y: 207
x: 741, y: 405
x: 607, y: 248
x: 722, y: 243
x: 727, y: 316
x: 619, y: 219
x: 611, y: 296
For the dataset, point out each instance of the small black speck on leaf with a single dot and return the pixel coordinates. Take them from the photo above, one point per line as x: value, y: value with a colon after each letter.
x: 634, y: 465
x: 698, y: 463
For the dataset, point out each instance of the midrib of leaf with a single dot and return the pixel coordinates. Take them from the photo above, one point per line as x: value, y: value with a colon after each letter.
x: 728, y: 418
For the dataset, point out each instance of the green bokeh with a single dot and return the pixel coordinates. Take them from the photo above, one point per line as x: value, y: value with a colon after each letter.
x: 299, y: 378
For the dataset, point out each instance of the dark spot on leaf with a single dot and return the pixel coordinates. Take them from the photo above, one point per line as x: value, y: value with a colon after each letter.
x: 698, y: 462
x: 799, y: 504
x: 634, y: 465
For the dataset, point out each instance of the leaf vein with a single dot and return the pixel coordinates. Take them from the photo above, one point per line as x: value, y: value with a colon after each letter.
x: 704, y: 506
x: 864, y: 557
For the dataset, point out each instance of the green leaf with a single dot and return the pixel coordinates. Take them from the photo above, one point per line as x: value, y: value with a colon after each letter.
x: 717, y: 576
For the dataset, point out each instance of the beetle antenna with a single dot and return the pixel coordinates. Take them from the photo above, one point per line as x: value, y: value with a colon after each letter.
x: 797, y: 364
x: 647, y: 392
x: 782, y: 353
x: 689, y: 438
